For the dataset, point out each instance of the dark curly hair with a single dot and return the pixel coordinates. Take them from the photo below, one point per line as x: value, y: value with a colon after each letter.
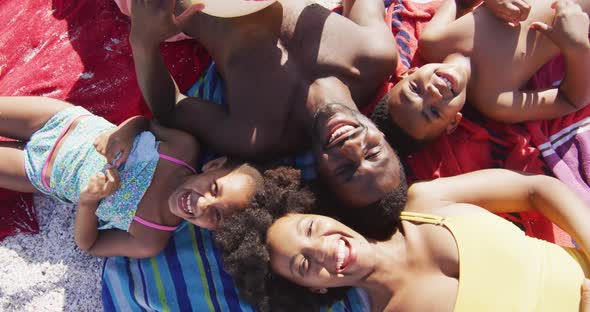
x: 242, y: 241
x: 398, y: 138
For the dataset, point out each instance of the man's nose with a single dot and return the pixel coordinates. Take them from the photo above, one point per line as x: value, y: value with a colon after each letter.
x: 352, y: 149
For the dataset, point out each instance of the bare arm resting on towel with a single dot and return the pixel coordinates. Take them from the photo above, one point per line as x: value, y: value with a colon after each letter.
x: 504, y: 191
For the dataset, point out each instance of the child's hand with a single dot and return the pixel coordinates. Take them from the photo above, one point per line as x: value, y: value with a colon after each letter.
x: 152, y: 21
x: 512, y: 11
x: 570, y: 27
x: 101, y: 185
x: 115, y: 145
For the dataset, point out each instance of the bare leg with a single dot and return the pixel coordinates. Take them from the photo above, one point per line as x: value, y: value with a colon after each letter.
x: 20, y: 117
x: 12, y: 168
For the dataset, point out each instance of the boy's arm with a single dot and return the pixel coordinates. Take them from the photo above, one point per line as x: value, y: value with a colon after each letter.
x: 570, y: 33
x: 505, y: 191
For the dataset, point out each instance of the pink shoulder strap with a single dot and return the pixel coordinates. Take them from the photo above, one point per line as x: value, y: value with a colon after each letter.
x: 153, y: 225
x: 158, y: 226
x: 178, y: 161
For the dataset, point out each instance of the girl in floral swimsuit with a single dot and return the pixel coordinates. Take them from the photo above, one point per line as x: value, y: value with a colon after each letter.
x: 135, y: 182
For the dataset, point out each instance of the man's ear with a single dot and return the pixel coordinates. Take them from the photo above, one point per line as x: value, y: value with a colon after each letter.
x: 215, y: 163
x: 454, y: 123
x: 321, y: 291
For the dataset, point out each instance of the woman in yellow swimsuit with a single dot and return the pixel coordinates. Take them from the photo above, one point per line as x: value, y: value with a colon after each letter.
x: 450, y: 253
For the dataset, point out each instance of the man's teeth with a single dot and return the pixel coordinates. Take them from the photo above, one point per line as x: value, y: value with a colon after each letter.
x: 341, y: 254
x: 340, y: 131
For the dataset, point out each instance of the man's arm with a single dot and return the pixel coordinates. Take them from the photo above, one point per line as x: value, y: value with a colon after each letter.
x: 437, y: 40
x: 505, y: 191
x: 364, y: 12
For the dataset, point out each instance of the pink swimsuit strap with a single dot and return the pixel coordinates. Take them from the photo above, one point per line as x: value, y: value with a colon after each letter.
x: 158, y: 226
x: 61, y: 135
x: 178, y: 161
x: 154, y: 225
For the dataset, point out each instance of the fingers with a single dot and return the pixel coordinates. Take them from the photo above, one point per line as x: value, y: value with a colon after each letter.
x: 185, y: 17
x: 111, y: 181
x: 524, y: 8
x: 585, y: 296
x: 542, y: 27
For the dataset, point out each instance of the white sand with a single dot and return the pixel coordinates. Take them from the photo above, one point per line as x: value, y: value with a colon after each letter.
x: 46, y: 271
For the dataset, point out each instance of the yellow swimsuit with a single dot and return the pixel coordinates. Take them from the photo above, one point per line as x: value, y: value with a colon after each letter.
x: 501, y: 269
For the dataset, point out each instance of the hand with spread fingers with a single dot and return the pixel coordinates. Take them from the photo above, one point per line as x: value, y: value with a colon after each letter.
x: 570, y: 27
x: 512, y: 11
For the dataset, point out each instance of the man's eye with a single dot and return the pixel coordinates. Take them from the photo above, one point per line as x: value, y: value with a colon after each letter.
x: 214, y: 188
x: 310, y: 228
x: 373, y: 154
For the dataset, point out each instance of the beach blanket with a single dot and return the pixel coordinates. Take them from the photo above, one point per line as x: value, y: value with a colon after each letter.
x: 564, y: 142
x: 78, y: 51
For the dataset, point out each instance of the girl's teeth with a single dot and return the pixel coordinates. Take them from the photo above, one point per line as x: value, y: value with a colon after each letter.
x: 188, y: 203
x: 341, y: 254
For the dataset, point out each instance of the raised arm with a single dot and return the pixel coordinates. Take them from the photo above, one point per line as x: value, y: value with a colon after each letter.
x: 505, y: 191
x: 570, y: 33
x: 207, y: 121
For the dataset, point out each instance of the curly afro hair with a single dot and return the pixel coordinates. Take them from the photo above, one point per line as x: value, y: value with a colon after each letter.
x: 242, y: 240
x: 398, y: 138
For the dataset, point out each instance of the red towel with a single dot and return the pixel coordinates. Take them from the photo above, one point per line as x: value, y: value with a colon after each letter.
x: 78, y: 51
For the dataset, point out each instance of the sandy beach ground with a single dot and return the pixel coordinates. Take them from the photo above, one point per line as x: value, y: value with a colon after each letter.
x: 46, y: 271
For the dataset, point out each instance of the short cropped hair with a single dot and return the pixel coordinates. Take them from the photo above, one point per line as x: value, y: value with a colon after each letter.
x: 398, y: 138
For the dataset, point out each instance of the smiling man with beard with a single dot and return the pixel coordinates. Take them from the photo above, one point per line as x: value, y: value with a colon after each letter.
x: 294, y: 73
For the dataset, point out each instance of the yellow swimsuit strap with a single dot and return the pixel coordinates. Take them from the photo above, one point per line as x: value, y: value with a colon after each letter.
x: 422, y: 217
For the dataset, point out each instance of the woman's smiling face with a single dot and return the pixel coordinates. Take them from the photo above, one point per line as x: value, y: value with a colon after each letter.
x: 318, y: 252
